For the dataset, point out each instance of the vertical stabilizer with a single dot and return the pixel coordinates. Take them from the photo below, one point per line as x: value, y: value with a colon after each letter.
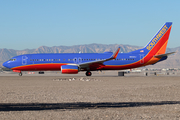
x: 158, y: 43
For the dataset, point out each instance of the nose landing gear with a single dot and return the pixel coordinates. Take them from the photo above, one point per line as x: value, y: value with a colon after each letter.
x: 88, y: 73
x: 18, y: 71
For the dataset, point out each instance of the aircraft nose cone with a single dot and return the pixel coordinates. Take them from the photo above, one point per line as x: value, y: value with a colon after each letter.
x: 5, y: 64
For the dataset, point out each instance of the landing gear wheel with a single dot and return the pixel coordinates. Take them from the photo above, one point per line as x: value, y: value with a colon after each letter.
x: 146, y: 74
x: 20, y: 74
x: 88, y: 73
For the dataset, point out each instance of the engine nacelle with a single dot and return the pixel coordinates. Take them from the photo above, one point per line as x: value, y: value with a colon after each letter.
x: 69, y: 69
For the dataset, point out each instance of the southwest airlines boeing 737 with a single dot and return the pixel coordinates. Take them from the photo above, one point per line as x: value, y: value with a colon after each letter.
x: 72, y: 63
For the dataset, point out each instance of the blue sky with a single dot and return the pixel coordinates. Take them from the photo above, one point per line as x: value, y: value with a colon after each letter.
x: 34, y: 23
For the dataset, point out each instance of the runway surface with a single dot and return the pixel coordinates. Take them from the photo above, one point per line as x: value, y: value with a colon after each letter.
x: 95, y: 97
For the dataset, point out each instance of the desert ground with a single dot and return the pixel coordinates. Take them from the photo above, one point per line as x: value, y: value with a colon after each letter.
x: 77, y: 97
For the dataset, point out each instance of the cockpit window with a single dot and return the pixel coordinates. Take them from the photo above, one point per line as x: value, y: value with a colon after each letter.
x: 12, y: 59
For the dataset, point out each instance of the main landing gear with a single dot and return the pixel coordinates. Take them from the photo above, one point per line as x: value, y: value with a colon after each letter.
x: 88, y: 73
x: 20, y: 74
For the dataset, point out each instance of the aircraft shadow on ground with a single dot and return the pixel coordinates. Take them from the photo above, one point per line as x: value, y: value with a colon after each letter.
x: 77, y: 105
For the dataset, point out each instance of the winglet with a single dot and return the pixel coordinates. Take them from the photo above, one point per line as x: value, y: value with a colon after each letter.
x: 115, y: 54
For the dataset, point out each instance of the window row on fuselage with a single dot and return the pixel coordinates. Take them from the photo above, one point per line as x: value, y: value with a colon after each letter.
x: 63, y: 59
x: 78, y: 59
x: 46, y: 59
x: 125, y: 59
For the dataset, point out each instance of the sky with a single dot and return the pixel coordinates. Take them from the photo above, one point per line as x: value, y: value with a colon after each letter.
x: 29, y: 24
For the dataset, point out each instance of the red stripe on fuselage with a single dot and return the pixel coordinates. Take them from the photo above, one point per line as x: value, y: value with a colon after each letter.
x: 38, y: 67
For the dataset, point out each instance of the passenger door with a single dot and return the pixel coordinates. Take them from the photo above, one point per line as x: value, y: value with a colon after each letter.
x: 24, y: 60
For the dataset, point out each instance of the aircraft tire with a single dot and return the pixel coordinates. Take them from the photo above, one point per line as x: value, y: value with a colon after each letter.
x: 88, y: 73
x: 20, y: 74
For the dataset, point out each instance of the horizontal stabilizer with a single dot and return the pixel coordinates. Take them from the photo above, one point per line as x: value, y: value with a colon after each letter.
x: 163, y: 55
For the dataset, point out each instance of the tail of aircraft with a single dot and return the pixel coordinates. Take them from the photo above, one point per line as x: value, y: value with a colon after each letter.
x: 158, y: 43
x: 155, y: 50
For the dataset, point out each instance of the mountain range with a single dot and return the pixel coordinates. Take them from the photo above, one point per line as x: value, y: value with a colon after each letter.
x: 173, y: 61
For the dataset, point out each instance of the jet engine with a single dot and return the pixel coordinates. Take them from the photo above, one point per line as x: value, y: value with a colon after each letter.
x: 69, y: 69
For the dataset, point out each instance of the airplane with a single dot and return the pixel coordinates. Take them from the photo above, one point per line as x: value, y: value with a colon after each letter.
x: 72, y: 63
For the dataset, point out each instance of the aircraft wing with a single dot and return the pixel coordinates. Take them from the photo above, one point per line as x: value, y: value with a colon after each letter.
x: 163, y: 55
x: 99, y: 62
